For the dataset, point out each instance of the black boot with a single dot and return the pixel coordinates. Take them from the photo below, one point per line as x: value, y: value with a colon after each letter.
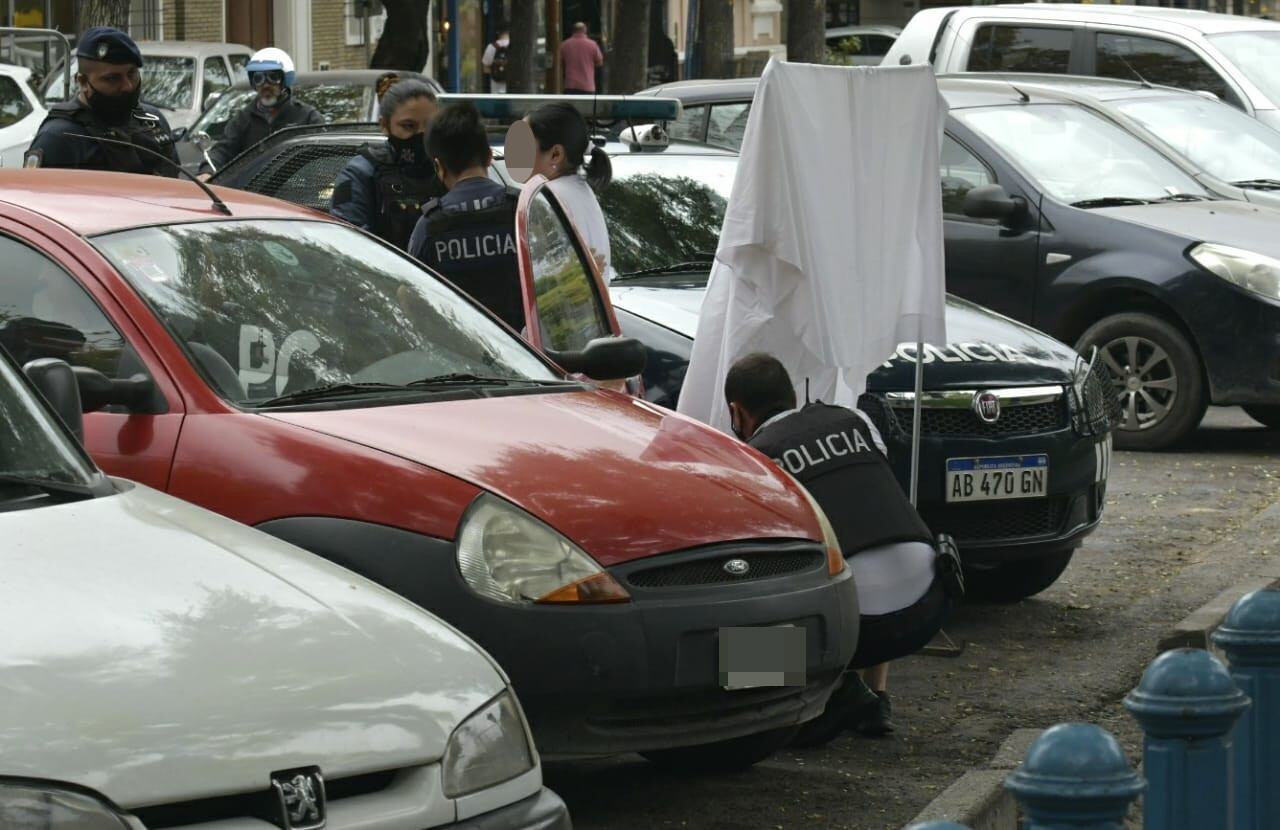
x: 873, y: 719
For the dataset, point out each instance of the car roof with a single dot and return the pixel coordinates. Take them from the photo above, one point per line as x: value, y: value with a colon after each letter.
x: 692, y: 93
x: 92, y: 202
x: 349, y: 77
x: 190, y: 47
x: 875, y: 29
x: 1201, y: 21
x: 1078, y: 86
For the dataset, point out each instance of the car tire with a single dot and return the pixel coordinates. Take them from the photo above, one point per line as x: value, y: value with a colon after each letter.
x: 1268, y: 416
x: 1013, y: 581
x: 732, y: 755
x: 1168, y: 375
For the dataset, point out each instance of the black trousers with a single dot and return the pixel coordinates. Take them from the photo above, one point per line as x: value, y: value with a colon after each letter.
x: 886, y: 637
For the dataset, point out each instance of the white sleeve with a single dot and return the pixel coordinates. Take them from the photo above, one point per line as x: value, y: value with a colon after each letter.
x: 489, y: 53
x: 875, y: 433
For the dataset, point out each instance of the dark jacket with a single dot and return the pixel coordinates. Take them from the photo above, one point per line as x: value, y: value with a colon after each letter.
x: 250, y: 125
x: 55, y: 144
x: 374, y: 193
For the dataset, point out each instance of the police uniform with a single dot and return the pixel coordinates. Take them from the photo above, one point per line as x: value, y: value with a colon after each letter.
x: 57, y: 142
x: 468, y: 235
x: 375, y: 192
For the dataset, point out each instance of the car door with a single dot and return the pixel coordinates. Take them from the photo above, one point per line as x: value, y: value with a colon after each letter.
x: 51, y: 307
x: 989, y: 261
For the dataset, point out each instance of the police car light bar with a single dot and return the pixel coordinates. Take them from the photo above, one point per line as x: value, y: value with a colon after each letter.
x: 592, y: 107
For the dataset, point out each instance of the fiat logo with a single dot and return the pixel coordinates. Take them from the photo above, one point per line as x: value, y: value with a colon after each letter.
x: 737, y: 567
x: 987, y: 407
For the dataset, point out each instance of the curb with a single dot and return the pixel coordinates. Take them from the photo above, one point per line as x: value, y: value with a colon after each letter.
x: 1194, y: 629
x: 978, y: 798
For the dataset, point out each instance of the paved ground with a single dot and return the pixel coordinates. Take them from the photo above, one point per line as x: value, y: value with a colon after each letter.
x: 1180, y: 527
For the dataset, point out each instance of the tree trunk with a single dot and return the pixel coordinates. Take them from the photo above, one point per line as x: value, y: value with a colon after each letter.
x: 715, y: 24
x: 522, y: 54
x: 629, y: 60
x: 403, y: 44
x: 806, y: 31
x: 104, y: 13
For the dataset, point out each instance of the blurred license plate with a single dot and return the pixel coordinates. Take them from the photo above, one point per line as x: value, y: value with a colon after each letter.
x: 751, y: 657
x: 997, y: 477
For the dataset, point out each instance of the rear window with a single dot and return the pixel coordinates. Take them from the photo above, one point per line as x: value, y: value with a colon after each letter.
x: 1021, y: 49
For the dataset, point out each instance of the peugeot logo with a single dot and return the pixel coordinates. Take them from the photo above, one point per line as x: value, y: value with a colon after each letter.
x: 301, y: 797
x: 987, y: 407
x: 737, y: 567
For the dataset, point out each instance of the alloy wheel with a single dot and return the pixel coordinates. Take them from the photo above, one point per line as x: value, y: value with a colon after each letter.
x: 1144, y: 379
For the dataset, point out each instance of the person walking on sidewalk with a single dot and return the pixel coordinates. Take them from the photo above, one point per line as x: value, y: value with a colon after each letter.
x: 494, y: 61
x: 580, y: 55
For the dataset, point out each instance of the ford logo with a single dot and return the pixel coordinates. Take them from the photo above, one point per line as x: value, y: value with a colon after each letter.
x: 737, y: 567
x: 987, y: 407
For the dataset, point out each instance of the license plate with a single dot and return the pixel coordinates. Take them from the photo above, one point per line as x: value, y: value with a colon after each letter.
x: 752, y: 657
x: 997, y: 477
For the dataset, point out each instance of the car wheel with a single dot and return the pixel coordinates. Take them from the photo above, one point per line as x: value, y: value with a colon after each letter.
x: 1156, y: 376
x: 1268, y: 416
x: 1012, y: 581
x: 733, y: 755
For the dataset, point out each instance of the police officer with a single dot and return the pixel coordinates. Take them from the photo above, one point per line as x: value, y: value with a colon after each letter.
x: 107, y: 106
x: 271, y: 75
x: 906, y: 586
x: 383, y: 188
x: 468, y: 235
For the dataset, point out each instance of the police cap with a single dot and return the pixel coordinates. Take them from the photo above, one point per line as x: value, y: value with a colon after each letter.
x: 103, y: 43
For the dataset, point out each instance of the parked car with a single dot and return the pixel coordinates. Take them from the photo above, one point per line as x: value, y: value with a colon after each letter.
x: 341, y: 96
x: 1236, y: 58
x: 298, y: 375
x: 1055, y: 216
x: 21, y: 114
x: 861, y: 45
x: 180, y: 77
x: 164, y: 666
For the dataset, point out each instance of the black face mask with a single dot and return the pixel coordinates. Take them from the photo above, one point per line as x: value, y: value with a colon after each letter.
x: 114, y: 109
x: 411, y: 153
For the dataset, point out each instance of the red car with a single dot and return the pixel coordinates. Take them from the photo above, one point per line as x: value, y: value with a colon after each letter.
x: 650, y: 584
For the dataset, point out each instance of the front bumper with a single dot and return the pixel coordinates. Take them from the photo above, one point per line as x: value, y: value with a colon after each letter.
x: 1238, y: 336
x: 541, y: 811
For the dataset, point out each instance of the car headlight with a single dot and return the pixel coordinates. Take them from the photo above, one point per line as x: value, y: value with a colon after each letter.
x: 509, y: 556
x: 488, y: 748
x: 1251, y: 271
x: 35, y: 805
x: 835, y: 556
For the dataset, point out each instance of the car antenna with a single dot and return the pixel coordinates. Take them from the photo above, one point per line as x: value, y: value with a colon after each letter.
x: 220, y: 205
x: 806, y: 392
x: 1135, y: 72
x: 1026, y: 99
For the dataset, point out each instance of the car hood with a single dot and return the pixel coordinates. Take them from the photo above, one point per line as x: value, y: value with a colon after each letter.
x: 156, y: 652
x: 621, y: 478
x: 983, y: 348
x: 1240, y: 224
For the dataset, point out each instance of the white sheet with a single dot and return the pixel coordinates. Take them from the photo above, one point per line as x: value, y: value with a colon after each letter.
x: 831, y: 249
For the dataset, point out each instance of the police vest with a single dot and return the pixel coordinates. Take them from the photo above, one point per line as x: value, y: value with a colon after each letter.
x: 476, y: 250
x: 400, y: 196
x: 831, y: 451
x: 143, y: 130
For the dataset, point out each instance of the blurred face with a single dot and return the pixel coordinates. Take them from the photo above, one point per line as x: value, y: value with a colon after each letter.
x: 550, y: 162
x: 97, y: 78
x: 410, y: 118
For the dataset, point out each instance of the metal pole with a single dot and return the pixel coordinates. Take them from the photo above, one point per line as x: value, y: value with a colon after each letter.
x: 1075, y: 775
x: 368, y: 32
x: 915, y: 421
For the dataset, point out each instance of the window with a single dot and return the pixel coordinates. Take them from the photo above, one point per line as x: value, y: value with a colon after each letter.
x: 356, y: 11
x: 1158, y: 61
x: 45, y: 313
x: 216, y: 77
x: 728, y: 123
x: 146, y: 20
x: 570, y: 312
x: 961, y: 172
x: 14, y: 106
x: 1021, y: 49
x: 691, y: 125
x: 238, y: 64
x: 169, y: 81
x: 876, y: 46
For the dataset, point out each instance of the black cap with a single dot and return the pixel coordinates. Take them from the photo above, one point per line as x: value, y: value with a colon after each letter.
x: 103, y: 43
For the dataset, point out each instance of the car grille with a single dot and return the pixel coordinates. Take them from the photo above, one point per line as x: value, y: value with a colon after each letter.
x: 1014, y: 420
x: 304, y: 175
x: 999, y: 520
x: 1101, y: 403
x: 766, y: 563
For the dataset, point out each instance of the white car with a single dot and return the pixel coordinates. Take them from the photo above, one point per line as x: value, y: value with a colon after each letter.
x: 21, y: 114
x: 163, y: 666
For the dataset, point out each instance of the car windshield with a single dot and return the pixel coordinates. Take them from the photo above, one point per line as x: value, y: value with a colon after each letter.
x: 1217, y: 138
x: 167, y: 81
x: 31, y: 444
x: 338, y: 103
x: 269, y: 308
x: 1257, y: 55
x: 1076, y: 156
x: 663, y: 210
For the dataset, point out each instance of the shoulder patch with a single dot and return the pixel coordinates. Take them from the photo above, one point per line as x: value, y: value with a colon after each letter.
x: 33, y: 159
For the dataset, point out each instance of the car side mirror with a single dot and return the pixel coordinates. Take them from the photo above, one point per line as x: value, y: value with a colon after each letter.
x: 97, y: 391
x: 202, y: 140
x: 210, y: 100
x: 992, y: 201
x: 605, y: 358
x: 57, y: 382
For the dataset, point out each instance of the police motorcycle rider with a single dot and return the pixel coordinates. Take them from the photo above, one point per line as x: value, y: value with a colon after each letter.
x: 907, y: 582
x: 271, y: 75
x: 468, y: 234
x: 108, y: 106
x: 383, y: 188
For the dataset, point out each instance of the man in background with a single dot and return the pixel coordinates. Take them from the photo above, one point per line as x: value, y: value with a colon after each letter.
x: 580, y: 55
x: 494, y: 62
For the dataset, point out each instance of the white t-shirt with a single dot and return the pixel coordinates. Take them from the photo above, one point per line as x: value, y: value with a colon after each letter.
x: 580, y: 204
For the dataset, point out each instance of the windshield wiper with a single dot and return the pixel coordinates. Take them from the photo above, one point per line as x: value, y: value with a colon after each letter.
x: 469, y: 379
x: 1183, y: 197
x: 1110, y: 201
x: 333, y: 390
x: 40, y: 481
x: 1259, y: 184
x: 703, y: 261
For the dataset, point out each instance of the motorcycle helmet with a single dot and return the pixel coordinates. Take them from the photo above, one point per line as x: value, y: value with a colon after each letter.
x: 272, y: 60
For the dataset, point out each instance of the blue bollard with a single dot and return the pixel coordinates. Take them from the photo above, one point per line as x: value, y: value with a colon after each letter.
x: 1186, y: 705
x: 1075, y: 775
x: 1251, y: 638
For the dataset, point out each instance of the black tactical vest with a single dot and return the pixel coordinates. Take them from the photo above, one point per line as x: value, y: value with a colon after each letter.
x: 476, y: 250
x: 143, y: 130
x: 830, y: 450
x: 400, y: 196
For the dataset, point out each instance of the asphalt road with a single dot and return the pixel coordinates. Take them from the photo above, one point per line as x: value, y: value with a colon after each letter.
x: 1179, y: 528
